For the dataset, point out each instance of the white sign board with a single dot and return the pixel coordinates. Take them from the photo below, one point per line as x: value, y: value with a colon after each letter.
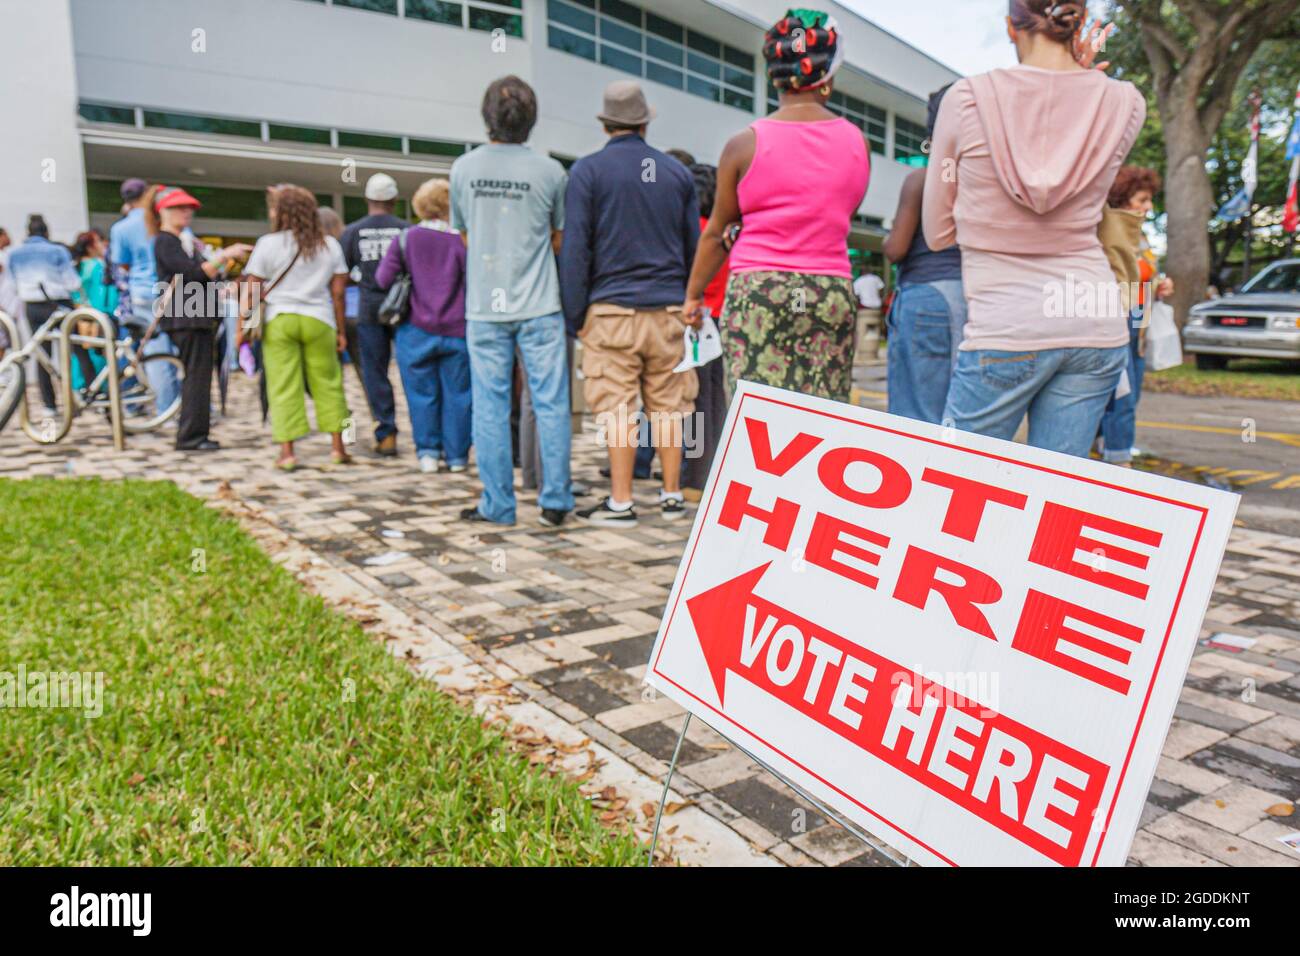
x: 970, y: 648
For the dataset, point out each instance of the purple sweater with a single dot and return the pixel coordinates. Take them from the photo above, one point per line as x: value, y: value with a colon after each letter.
x: 436, y: 261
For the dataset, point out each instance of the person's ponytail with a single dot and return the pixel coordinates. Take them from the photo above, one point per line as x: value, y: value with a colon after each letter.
x: 152, y: 221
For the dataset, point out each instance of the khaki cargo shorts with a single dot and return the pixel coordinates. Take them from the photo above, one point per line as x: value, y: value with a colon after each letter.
x: 628, y: 357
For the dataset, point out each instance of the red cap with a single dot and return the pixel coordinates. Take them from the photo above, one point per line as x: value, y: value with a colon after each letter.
x: 175, y: 196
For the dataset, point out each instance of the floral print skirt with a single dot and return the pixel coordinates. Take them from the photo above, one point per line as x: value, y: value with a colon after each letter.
x: 790, y: 330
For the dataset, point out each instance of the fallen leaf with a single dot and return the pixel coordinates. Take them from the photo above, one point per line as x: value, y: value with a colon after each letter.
x: 135, y: 780
x: 671, y: 808
x: 1281, y: 810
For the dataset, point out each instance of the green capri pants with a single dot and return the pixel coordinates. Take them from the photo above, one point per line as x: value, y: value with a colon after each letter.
x: 290, y: 344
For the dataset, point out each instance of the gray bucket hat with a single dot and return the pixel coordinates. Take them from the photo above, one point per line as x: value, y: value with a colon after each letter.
x: 625, y: 105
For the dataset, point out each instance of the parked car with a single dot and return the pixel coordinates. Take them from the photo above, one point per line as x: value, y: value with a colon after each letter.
x: 1261, y: 320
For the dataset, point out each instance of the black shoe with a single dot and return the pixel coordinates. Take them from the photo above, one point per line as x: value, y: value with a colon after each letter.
x: 473, y: 515
x: 553, y: 517
x: 638, y: 475
x: 672, y: 509
x: 604, y: 514
x: 206, y: 445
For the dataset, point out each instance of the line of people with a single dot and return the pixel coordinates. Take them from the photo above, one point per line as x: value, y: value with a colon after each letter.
x: 515, y: 259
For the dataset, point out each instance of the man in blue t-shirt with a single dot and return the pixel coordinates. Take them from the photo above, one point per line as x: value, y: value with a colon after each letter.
x: 508, y: 203
x: 130, y: 254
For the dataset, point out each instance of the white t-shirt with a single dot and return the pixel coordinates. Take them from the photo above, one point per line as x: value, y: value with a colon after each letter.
x: 305, y: 289
x: 868, y: 286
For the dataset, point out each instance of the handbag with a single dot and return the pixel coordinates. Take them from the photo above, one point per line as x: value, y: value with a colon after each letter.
x: 253, y: 323
x: 397, y: 302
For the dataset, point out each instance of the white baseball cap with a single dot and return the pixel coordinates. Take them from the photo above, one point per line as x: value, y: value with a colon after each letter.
x: 381, y: 187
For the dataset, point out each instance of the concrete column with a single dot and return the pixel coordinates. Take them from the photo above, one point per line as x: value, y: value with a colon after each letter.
x: 41, y: 164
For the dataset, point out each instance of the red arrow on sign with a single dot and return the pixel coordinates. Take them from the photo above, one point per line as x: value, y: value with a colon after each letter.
x: 1034, y: 787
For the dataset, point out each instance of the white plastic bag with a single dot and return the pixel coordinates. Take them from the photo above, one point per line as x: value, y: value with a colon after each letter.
x: 1164, y: 346
x: 701, y: 345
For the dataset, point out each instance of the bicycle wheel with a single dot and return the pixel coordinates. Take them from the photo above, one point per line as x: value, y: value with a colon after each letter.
x: 140, y: 411
x: 13, y: 380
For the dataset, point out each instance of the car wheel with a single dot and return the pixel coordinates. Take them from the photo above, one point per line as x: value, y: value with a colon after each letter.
x: 1210, y: 363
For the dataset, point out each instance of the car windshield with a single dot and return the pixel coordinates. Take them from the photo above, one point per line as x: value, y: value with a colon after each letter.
x: 1279, y: 278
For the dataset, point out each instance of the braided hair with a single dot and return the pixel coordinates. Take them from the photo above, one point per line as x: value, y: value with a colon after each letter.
x: 802, y: 50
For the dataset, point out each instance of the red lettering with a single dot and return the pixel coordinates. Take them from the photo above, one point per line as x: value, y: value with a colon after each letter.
x: 825, y: 540
x: 1042, y: 629
x: 895, y: 483
x: 1060, y: 535
x: 966, y: 505
x: 761, y: 444
x: 918, y: 578
x: 780, y: 520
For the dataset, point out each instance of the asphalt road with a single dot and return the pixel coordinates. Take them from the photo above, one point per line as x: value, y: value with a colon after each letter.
x: 1251, y: 446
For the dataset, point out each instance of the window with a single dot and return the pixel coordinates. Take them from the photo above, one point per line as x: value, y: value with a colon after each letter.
x: 202, y: 124
x: 625, y: 37
x: 354, y: 208
x: 481, y: 18
x: 559, y: 39
x: 378, y: 6
x: 392, y: 144
x: 436, y: 11
x: 298, y: 134
x: 909, y: 138
x: 123, y: 115
x: 436, y: 147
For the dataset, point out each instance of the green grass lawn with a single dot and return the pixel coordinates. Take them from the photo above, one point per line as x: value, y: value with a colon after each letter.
x: 225, y: 737
x: 1243, y: 378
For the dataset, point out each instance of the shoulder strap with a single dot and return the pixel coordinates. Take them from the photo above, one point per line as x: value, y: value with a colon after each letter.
x: 283, y: 272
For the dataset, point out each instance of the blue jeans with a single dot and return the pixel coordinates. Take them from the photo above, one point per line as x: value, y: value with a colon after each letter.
x: 375, y: 343
x: 435, y: 375
x: 1064, y: 391
x: 925, y: 328
x: 1119, y: 423
x: 541, y: 346
x: 162, y: 376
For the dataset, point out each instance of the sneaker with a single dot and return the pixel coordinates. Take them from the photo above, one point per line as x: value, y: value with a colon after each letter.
x: 387, y: 447
x: 604, y: 514
x: 553, y: 517
x: 456, y: 469
x: 429, y: 464
x: 672, y: 509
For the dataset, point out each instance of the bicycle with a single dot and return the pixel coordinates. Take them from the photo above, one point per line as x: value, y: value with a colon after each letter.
x: 140, y: 411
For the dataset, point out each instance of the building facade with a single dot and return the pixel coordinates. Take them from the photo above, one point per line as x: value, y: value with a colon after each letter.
x: 226, y: 97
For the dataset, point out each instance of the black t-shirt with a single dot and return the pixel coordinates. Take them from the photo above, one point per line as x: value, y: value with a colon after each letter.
x: 364, y: 244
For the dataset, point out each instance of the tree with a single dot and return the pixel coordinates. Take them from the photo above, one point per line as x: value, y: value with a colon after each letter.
x: 1195, y: 52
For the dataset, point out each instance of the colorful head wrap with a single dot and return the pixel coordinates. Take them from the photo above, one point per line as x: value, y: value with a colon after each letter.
x: 802, y: 50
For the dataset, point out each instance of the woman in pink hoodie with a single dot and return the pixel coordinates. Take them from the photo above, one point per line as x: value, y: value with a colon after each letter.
x: 1020, y: 165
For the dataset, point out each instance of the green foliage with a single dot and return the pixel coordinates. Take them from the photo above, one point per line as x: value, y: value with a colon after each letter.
x: 1273, y: 70
x: 227, y: 736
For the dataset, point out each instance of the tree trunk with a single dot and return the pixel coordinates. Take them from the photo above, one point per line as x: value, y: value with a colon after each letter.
x: 1189, y: 204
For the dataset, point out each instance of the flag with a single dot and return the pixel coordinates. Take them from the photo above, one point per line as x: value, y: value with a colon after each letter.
x: 1250, y: 168
x: 1291, y: 213
x: 1293, y: 140
x: 1234, y: 208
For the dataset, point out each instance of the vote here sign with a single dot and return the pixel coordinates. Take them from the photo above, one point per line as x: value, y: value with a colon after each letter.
x: 970, y: 648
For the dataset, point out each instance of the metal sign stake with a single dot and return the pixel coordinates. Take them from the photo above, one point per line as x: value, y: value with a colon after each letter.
x: 663, y: 797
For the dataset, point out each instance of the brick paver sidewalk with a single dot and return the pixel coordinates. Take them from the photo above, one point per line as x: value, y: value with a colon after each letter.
x: 550, y: 630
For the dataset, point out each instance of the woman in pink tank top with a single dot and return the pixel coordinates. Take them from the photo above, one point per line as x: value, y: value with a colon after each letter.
x: 793, y: 180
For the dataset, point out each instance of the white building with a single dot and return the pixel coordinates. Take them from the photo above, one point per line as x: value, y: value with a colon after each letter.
x: 227, y: 96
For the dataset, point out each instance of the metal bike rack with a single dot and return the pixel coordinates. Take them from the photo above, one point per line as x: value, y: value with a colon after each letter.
x: 106, y: 341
